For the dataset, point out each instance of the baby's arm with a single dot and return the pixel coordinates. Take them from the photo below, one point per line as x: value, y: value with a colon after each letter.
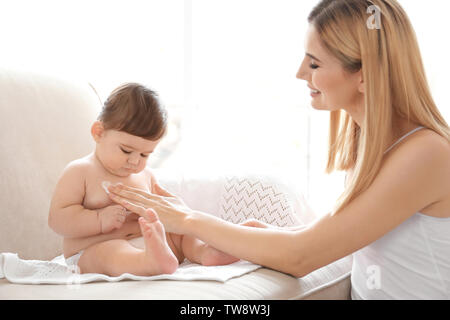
x: 67, y: 215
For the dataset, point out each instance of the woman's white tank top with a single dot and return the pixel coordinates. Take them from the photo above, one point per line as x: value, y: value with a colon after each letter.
x: 410, y: 262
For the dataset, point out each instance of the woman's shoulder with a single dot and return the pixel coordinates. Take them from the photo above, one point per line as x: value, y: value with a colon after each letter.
x: 423, y: 143
x: 434, y: 151
x: 427, y: 153
x: 427, y: 143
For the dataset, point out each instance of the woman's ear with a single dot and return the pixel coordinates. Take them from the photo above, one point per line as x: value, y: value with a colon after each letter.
x: 361, y: 82
x: 97, y: 130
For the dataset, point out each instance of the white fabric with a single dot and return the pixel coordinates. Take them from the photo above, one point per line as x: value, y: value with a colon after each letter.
x: 410, y: 262
x: 329, y: 282
x: 56, y: 271
x: 73, y: 260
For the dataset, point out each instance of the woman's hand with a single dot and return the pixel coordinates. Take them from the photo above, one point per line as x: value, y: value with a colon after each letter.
x: 171, y: 210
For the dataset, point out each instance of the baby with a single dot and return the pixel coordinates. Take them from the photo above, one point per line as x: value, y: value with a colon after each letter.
x: 128, y: 129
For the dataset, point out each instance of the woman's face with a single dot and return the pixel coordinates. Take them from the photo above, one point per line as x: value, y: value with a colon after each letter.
x: 332, y: 87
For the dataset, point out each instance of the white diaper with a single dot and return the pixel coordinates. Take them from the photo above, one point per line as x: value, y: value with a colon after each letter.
x: 72, y: 261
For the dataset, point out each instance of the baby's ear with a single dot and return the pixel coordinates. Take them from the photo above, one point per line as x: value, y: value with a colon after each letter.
x: 97, y: 130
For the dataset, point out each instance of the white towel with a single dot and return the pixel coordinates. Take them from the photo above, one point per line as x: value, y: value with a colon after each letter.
x: 56, y: 271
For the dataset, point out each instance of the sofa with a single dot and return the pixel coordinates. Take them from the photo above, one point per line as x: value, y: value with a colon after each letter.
x: 45, y: 123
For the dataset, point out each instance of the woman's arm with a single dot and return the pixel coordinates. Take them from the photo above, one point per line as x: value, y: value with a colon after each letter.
x: 412, y: 177
x: 259, y: 224
x: 274, y: 248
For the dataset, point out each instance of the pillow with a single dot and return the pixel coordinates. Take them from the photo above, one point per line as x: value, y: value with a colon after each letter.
x: 237, y: 198
x: 263, y: 198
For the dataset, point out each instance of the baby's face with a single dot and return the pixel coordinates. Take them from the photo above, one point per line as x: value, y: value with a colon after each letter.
x: 123, y: 154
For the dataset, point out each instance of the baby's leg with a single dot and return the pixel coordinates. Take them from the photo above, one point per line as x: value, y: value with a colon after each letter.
x: 197, y: 251
x: 115, y: 257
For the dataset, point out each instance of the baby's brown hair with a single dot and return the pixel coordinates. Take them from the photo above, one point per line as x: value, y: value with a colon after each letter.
x: 135, y: 109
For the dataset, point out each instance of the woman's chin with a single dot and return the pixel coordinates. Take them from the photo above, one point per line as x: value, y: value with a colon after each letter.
x: 318, y: 106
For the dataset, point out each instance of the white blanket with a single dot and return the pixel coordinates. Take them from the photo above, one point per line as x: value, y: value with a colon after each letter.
x: 56, y: 271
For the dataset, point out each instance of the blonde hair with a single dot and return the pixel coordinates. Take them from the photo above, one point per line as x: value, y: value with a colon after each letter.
x: 394, y: 78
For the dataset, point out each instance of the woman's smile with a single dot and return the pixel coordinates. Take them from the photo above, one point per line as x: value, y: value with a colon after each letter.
x: 314, y: 92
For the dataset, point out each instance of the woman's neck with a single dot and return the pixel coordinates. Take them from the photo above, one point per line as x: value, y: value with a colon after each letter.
x: 400, y: 125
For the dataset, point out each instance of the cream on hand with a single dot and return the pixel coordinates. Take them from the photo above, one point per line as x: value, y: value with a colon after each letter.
x: 105, y: 185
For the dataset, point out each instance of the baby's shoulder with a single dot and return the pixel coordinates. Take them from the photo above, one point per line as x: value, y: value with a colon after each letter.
x: 77, y: 167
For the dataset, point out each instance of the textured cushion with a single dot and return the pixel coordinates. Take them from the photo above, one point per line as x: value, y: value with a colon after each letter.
x: 240, y: 197
x: 264, y: 198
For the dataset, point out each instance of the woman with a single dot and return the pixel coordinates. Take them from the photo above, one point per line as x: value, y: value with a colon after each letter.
x: 387, y: 133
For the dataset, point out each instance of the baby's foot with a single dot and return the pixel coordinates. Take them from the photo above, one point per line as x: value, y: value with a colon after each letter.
x: 214, y: 257
x: 159, y: 258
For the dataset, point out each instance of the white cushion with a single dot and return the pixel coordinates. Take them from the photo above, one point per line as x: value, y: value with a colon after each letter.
x: 45, y: 123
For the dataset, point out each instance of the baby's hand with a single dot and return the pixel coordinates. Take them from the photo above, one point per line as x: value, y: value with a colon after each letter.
x: 111, y: 217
